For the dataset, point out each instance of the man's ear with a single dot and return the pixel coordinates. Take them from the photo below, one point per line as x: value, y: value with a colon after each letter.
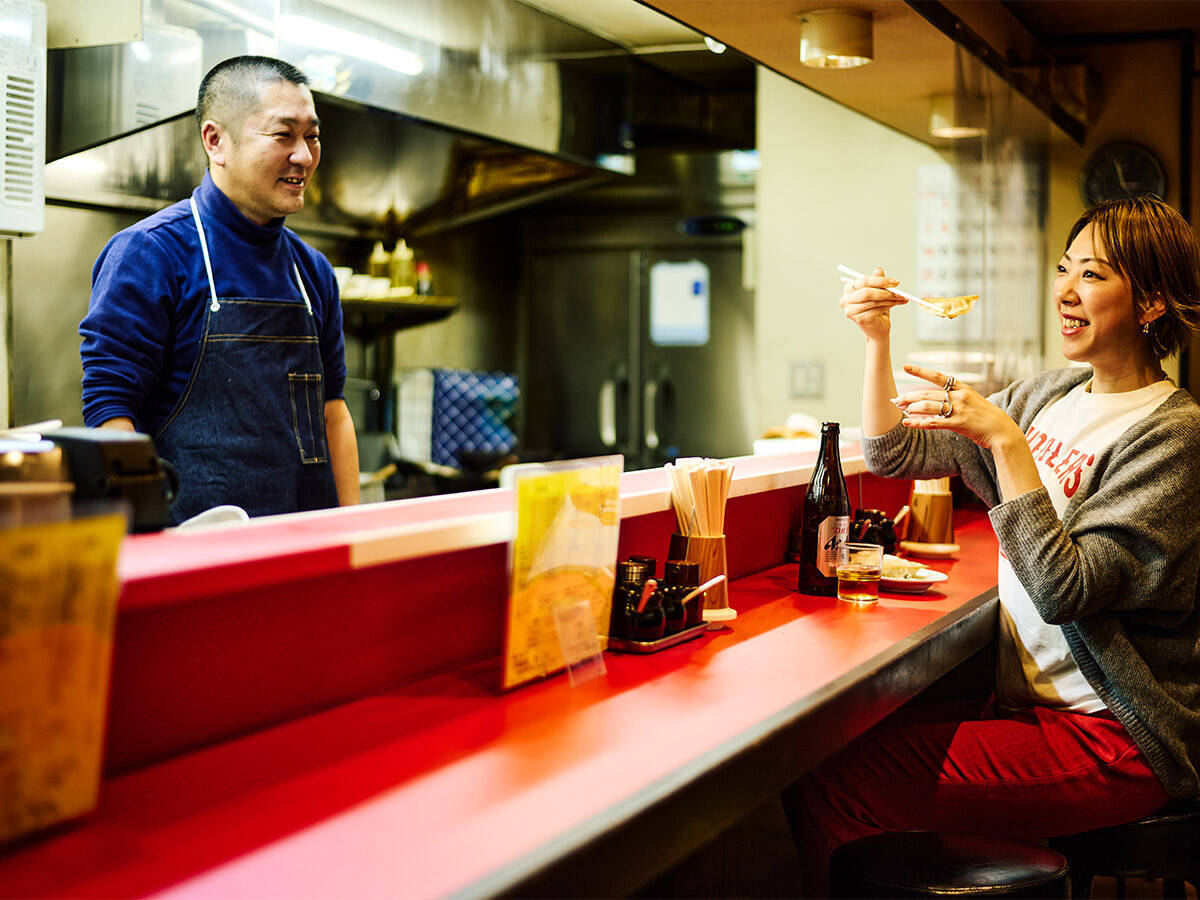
x: 215, y: 140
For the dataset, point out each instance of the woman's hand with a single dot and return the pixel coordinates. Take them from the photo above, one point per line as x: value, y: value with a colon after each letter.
x: 956, y: 407
x: 867, y: 302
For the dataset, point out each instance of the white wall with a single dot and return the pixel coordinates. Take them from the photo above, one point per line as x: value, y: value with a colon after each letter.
x: 834, y: 187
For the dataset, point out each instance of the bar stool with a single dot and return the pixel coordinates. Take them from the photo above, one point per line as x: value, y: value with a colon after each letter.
x: 943, y: 864
x: 1165, y: 845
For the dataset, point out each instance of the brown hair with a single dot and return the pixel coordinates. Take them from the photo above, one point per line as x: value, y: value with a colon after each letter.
x: 1153, y: 247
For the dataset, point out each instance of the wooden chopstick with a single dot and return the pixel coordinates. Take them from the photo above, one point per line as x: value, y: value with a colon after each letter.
x: 912, y: 298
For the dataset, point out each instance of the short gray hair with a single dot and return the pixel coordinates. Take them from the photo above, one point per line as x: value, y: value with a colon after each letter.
x: 233, y: 88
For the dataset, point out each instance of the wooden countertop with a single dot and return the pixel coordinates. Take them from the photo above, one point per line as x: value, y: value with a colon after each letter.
x: 444, y: 787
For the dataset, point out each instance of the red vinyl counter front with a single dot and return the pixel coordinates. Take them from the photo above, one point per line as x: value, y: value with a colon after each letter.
x: 436, y: 784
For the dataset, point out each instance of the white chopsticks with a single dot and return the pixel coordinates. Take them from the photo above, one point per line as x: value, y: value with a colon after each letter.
x: 932, y: 307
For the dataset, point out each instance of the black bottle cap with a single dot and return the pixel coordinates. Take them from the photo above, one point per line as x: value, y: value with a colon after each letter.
x: 678, y: 571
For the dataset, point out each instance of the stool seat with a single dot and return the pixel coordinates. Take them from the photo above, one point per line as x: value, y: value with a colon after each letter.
x: 942, y: 864
x: 1165, y: 845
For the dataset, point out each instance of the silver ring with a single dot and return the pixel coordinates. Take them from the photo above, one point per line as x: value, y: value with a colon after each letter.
x: 950, y: 383
x: 947, y: 408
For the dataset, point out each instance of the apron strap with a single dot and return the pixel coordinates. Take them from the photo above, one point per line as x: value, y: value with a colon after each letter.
x: 303, y: 292
x: 212, y: 287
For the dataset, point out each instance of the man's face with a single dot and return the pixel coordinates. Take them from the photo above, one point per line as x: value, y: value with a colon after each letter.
x: 264, y: 165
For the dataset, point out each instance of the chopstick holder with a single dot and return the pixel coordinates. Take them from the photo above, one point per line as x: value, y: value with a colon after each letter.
x: 932, y: 512
x: 708, y: 552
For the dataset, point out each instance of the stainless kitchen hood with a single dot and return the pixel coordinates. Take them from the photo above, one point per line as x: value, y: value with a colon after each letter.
x: 435, y: 112
x: 466, y: 113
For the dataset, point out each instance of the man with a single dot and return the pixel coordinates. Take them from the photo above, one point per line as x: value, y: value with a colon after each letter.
x: 215, y: 329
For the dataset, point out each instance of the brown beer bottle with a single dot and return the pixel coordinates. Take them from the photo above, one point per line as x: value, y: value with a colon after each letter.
x: 825, y: 521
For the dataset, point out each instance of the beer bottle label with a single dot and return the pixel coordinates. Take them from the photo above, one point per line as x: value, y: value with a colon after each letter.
x: 831, y: 534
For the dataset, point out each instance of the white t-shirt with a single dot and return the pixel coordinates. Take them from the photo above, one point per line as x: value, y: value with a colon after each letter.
x: 1034, y: 664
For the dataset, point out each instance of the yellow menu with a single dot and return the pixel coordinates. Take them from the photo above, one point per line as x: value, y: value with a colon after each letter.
x: 58, y: 592
x: 563, y: 555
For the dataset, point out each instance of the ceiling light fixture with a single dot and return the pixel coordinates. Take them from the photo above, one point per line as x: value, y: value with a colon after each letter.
x: 714, y: 45
x: 956, y: 116
x: 963, y: 112
x: 311, y: 33
x: 836, y: 38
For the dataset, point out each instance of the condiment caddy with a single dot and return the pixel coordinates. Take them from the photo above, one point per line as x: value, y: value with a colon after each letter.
x: 649, y: 615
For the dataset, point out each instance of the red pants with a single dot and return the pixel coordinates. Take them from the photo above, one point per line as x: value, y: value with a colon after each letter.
x: 966, y: 767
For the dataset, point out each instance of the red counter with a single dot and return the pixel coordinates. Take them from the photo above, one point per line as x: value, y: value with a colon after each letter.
x: 437, y: 784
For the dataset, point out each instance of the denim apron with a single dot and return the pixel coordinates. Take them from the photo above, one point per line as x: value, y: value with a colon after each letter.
x: 249, y: 428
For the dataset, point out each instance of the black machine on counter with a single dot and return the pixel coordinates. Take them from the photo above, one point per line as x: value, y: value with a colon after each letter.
x: 110, y: 465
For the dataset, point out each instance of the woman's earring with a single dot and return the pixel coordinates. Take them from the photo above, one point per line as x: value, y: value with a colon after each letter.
x: 1146, y: 328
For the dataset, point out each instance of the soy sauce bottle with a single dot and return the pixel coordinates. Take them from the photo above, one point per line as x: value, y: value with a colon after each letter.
x: 627, y: 592
x: 825, y: 521
x: 679, y: 578
x: 651, y: 623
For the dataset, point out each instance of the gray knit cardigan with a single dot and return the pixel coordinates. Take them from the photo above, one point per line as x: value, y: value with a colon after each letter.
x: 1120, y: 571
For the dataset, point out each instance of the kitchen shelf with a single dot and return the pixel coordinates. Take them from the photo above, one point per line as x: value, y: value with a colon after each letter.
x: 375, y: 317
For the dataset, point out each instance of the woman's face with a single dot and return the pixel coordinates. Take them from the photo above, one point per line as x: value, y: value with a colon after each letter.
x: 1097, y: 318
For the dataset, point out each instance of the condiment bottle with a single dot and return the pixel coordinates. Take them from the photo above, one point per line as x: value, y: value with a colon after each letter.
x: 649, y: 622
x: 379, y: 264
x: 424, y: 279
x: 402, y: 265
x: 650, y: 562
x: 679, y: 579
x: 627, y: 592
x: 825, y: 522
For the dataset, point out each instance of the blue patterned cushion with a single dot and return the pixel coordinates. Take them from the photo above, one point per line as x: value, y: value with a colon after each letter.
x: 472, y: 411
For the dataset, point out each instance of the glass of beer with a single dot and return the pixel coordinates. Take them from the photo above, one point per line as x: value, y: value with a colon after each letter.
x: 858, y: 570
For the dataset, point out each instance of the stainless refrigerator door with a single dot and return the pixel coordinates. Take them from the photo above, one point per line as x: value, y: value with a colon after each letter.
x: 581, y: 398
x: 698, y: 399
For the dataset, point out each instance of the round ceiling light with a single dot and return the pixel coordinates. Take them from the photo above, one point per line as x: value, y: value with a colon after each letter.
x: 836, y: 38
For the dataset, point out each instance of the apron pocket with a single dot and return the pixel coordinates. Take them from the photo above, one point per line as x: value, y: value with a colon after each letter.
x: 308, y: 415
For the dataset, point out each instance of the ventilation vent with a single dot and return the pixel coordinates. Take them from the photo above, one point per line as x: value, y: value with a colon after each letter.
x: 20, y: 141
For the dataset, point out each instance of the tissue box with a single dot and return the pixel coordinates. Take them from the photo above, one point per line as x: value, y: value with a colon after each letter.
x: 446, y: 411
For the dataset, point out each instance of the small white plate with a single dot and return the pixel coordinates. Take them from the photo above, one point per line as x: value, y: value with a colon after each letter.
x: 924, y: 579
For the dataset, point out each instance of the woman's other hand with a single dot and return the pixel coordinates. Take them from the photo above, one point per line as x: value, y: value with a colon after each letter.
x: 956, y: 408
x: 867, y: 302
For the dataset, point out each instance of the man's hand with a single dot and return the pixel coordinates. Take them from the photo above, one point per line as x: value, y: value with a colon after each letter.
x: 119, y: 423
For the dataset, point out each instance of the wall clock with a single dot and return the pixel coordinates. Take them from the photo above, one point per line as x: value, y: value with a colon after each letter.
x: 1121, y: 170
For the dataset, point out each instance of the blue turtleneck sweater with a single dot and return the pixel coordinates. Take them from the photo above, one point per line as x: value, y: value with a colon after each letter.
x: 145, y: 319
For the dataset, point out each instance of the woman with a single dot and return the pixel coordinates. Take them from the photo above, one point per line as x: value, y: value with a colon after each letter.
x: 1092, y: 476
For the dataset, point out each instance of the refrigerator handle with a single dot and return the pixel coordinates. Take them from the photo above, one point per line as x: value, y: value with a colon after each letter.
x: 650, y: 405
x: 607, y: 405
x: 607, y: 412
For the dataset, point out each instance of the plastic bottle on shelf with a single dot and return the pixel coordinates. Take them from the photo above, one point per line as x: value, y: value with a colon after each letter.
x: 424, y: 279
x: 402, y: 265
x: 379, y: 263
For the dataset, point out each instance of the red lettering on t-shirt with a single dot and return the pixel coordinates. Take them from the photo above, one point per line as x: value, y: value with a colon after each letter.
x: 1067, y: 463
x: 1075, y: 474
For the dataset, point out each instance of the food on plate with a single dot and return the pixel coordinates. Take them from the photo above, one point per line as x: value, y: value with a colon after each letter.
x: 951, y: 307
x: 895, y: 567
